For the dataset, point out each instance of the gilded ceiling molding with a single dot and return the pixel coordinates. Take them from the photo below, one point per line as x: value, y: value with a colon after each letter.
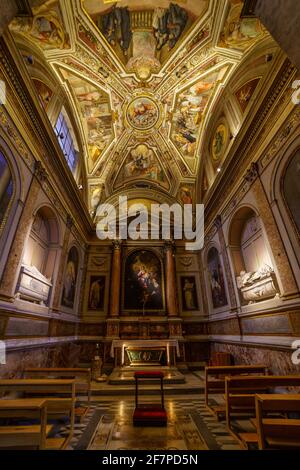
x: 244, y: 147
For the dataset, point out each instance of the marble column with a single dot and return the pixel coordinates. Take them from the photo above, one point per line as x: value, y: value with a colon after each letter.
x: 115, y: 290
x: 227, y: 267
x: 13, y: 264
x: 171, y: 290
x: 287, y: 278
x: 62, y: 264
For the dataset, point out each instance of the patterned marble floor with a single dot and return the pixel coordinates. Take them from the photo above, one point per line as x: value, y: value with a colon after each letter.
x: 108, y: 426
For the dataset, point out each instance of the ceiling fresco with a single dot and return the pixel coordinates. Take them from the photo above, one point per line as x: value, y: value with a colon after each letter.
x: 144, y: 83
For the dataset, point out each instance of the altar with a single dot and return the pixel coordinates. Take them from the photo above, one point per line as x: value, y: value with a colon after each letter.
x: 145, y: 353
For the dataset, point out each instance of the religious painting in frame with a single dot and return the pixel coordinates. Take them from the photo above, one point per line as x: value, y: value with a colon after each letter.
x: 143, y: 288
x: 189, y: 295
x: 216, y: 277
x: 96, y: 293
x: 70, y: 279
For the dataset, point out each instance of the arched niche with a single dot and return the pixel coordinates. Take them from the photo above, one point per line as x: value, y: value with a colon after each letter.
x: 39, y: 257
x: 253, y: 266
x: 6, y: 191
x: 70, y: 279
x: 291, y: 189
x: 216, y: 279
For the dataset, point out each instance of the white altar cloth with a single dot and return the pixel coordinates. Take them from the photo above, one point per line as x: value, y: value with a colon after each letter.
x: 147, y: 343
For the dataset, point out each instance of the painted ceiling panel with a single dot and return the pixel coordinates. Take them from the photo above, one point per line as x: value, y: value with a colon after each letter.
x: 149, y: 85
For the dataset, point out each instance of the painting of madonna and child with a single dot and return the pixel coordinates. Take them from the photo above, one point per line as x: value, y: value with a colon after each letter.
x: 143, y: 289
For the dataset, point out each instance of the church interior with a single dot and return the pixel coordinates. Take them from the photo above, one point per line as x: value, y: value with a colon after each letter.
x: 186, y: 103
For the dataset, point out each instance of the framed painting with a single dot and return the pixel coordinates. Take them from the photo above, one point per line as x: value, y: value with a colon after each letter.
x: 70, y: 280
x: 216, y: 277
x: 143, y: 282
x: 96, y: 293
x: 189, y: 295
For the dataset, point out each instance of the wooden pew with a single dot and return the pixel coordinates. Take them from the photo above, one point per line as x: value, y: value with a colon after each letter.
x: 28, y: 436
x: 46, y: 388
x: 39, y: 387
x: 240, y: 398
x: 82, y: 377
x: 275, y: 432
x: 215, y: 381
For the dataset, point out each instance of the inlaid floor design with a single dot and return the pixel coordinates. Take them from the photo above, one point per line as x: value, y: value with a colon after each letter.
x: 108, y: 426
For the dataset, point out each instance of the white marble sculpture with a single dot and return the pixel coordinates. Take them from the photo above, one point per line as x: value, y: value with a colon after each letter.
x: 33, y: 285
x: 259, y: 285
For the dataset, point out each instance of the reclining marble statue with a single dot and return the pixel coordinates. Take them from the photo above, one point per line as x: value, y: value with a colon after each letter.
x: 33, y: 285
x: 259, y: 285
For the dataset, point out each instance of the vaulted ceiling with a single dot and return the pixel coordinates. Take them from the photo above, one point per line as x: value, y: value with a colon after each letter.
x: 157, y: 94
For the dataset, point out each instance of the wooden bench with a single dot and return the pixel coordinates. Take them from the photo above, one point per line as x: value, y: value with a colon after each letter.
x: 46, y: 388
x: 215, y: 382
x: 34, y: 436
x: 275, y: 432
x: 82, y: 377
x: 240, y: 398
x: 39, y: 387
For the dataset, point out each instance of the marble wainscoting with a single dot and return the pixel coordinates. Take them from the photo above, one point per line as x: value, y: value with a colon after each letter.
x: 60, y: 355
x: 279, y: 362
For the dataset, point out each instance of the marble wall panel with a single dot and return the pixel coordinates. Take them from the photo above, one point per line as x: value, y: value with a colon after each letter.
x: 278, y: 324
x: 18, y: 327
x: 279, y: 362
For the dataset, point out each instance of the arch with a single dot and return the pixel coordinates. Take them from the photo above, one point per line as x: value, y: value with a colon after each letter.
x: 53, y: 221
x: 290, y: 188
x: 7, y: 190
x: 39, y: 257
x: 251, y: 259
x: 292, y: 233
x: 13, y: 212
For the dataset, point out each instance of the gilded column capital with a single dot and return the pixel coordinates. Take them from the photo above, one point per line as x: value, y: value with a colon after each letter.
x: 117, y: 245
x: 169, y: 245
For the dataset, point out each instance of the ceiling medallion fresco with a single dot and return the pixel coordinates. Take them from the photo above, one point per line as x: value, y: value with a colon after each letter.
x: 142, y: 164
x: 143, y: 113
x: 157, y: 89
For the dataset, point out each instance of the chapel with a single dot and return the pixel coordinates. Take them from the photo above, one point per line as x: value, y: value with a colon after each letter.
x: 149, y: 225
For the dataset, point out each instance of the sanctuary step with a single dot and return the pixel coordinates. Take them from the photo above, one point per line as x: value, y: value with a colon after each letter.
x: 125, y: 376
x: 193, y: 385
